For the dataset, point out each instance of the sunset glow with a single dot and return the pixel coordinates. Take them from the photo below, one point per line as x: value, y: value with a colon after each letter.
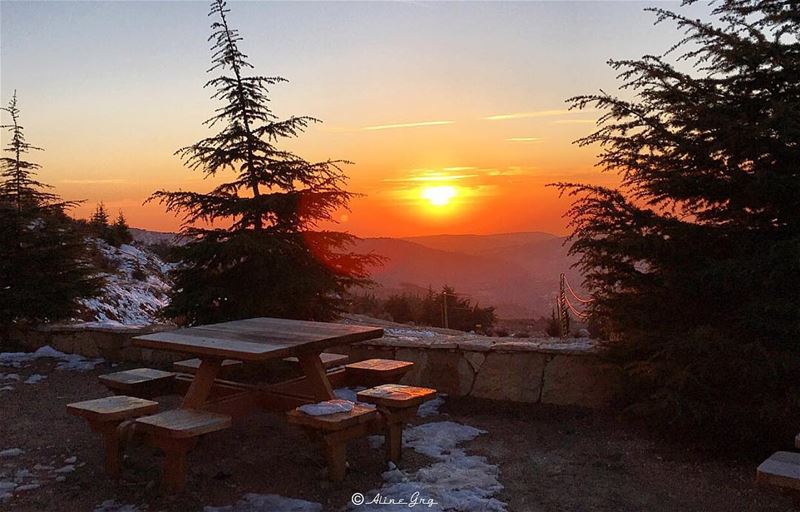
x: 454, y: 130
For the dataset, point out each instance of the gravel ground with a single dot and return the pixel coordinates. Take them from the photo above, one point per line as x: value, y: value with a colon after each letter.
x: 551, y: 459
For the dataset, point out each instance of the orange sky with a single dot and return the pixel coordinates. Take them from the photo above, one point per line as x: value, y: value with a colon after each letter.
x: 469, y: 97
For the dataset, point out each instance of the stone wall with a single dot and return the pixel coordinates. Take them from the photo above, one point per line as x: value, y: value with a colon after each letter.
x: 515, y: 371
x: 536, y: 370
x: 96, y: 340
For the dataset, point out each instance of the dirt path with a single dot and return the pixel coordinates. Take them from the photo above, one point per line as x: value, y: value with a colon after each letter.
x: 551, y: 460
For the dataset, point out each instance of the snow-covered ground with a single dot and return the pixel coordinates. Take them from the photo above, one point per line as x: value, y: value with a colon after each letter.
x: 456, y: 482
x: 16, y: 360
x: 15, y: 480
x: 136, y: 286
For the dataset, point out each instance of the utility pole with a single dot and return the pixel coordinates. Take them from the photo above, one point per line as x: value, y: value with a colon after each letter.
x: 562, y: 306
x: 444, y: 310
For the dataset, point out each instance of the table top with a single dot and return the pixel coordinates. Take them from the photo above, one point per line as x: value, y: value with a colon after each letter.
x: 257, y: 339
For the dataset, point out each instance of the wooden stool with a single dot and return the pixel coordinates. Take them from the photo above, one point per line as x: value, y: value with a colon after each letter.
x: 781, y: 469
x: 140, y: 382
x: 105, y: 415
x: 336, y: 430
x: 175, y: 433
x: 398, y: 404
x: 373, y: 372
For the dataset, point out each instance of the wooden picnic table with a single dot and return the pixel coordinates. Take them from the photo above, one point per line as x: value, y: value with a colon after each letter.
x: 256, y: 340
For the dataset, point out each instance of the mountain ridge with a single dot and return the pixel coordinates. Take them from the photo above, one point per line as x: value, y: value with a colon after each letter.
x: 517, y: 273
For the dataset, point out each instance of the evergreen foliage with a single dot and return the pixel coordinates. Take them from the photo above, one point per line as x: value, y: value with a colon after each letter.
x: 121, y: 230
x: 99, y: 219
x: 694, y: 262
x: 428, y: 309
x: 43, y: 266
x: 114, y: 234
x: 255, y: 245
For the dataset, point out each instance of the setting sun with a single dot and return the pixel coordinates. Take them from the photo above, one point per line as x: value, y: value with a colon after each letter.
x: 439, y: 195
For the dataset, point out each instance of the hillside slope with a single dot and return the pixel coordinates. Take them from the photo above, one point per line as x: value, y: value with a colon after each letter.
x: 136, y: 286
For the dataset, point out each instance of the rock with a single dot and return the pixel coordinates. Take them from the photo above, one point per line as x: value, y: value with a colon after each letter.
x: 11, y: 452
x: 584, y: 333
x: 61, y: 478
x: 29, y: 487
x: 71, y: 460
x: 510, y: 376
x: 69, y: 468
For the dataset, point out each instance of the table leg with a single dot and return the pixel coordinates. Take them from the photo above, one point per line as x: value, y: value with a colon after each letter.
x: 201, y: 385
x: 317, y: 378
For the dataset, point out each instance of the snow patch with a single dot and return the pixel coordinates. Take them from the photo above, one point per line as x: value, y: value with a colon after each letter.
x: 114, y: 506
x: 408, y: 333
x: 456, y: 482
x: 72, y: 362
x: 327, y: 407
x: 267, y: 502
x: 431, y: 407
x: 35, y: 378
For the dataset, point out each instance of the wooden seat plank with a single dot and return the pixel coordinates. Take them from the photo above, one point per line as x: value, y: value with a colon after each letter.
x: 140, y: 382
x: 360, y: 413
x: 112, y: 408
x: 184, y: 423
x: 136, y: 376
x: 377, y: 371
x: 781, y: 469
x: 396, y: 396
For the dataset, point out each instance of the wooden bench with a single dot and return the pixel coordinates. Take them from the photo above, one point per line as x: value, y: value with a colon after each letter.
x: 229, y: 367
x: 328, y: 360
x: 336, y: 430
x: 373, y: 372
x: 398, y: 404
x: 175, y: 433
x: 782, y: 470
x: 140, y: 382
x: 106, y: 416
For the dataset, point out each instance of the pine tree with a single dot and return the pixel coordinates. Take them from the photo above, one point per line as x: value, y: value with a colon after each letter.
x: 271, y: 258
x: 121, y: 231
x: 43, y: 270
x: 99, y: 219
x: 694, y: 262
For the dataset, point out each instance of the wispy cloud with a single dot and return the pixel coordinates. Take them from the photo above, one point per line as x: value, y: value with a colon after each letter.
x: 94, y: 182
x: 520, y: 115
x: 537, y: 113
x: 525, y: 139
x: 405, y: 125
x: 575, y: 121
x: 429, y: 176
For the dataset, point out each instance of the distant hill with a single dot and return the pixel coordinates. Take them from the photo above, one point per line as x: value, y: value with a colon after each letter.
x: 147, y: 237
x: 515, y: 272
x: 479, y: 244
